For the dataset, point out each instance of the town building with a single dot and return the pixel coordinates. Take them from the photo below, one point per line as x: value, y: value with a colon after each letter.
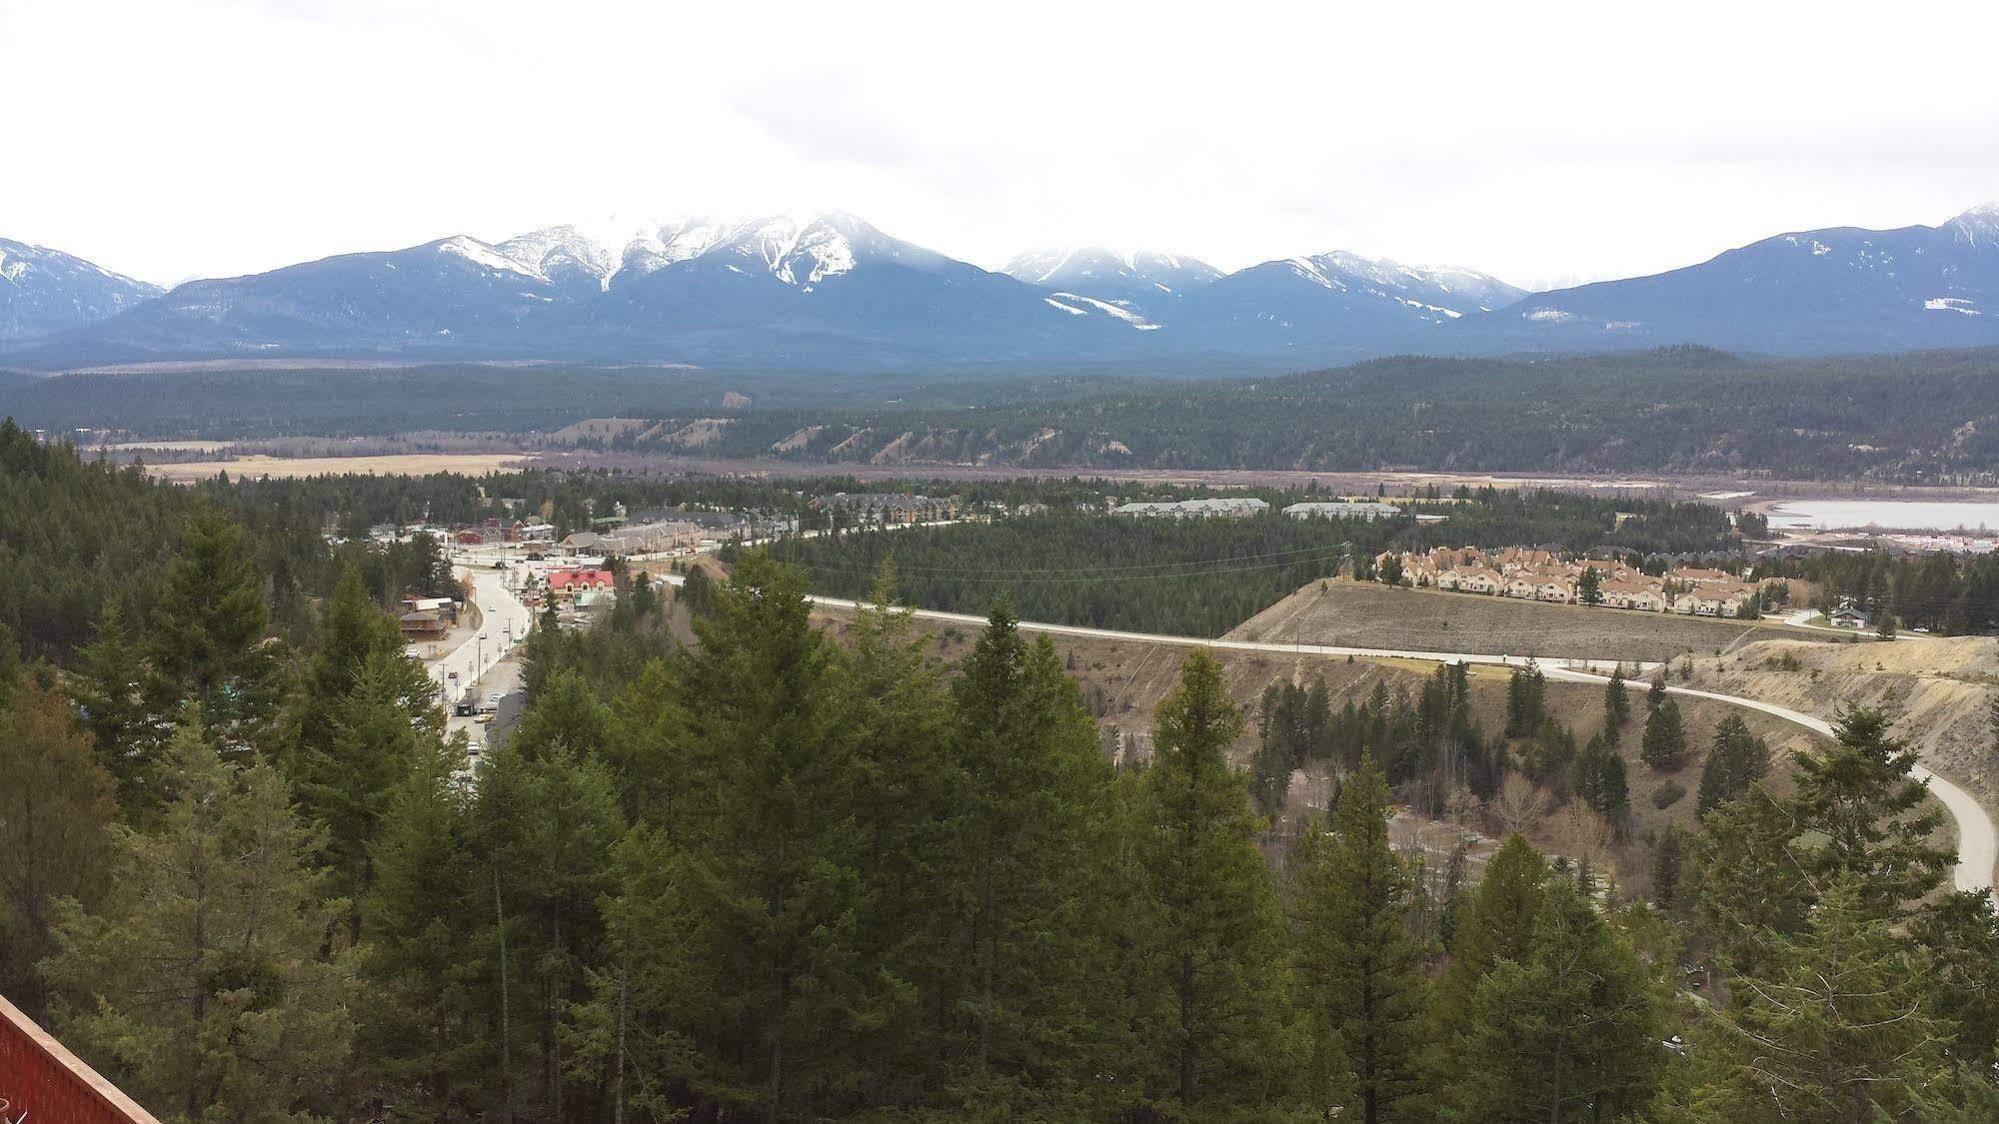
x: 1544, y: 574
x: 1366, y: 509
x: 1228, y: 507
x: 887, y: 507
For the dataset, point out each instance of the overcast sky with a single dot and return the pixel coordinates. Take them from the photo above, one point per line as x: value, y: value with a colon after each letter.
x: 1544, y: 142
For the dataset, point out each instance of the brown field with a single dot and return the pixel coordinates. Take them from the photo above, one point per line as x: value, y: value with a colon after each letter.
x: 406, y: 464
x: 1363, y: 614
x: 1743, y: 491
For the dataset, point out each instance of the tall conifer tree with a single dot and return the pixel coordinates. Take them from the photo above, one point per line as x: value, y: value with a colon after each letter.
x: 1219, y: 1032
x: 1360, y: 971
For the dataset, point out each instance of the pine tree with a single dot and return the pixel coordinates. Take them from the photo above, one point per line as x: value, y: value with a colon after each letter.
x: 1526, y: 701
x: 1656, y: 694
x: 371, y: 743
x: 1738, y: 760
x: 1837, y: 1030
x: 207, y: 645
x: 1664, y: 746
x: 1667, y: 856
x: 109, y: 683
x: 904, y: 791
x: 1210, y: 949
x: 56, y: 817
x: 1492, y: 926
x: 201, y: 985
x: 763, y: 906
x: 1875, y: 816
x: 1748, y: 880
x: 1570, y: 1030
x: 419, y: 1026
x: 1616, y: 702
x: 562, y: 815
x: 1025, y: 880
x: 1360, y: 971
x: 664, y: 777
x: 564, y: 712
x: 1961, y: 936
x: 1601, y: 779
x: 353, y: 632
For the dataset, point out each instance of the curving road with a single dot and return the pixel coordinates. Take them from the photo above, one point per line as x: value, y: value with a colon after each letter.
x: 1978, y: 841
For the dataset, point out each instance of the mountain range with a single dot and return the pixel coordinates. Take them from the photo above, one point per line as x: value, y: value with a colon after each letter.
x: 830, y: 291
x: 46, y: 291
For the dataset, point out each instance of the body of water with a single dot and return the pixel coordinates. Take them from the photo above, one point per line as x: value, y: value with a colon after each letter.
x: 1907, y: 515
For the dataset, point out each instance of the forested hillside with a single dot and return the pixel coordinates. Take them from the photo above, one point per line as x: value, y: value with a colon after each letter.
x: 80, y: 540
x: 771, y: 877
x: 1920, y: 417
x: 1202, y: 577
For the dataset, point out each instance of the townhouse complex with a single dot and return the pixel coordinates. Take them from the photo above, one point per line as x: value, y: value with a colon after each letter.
x: 1533, y: 574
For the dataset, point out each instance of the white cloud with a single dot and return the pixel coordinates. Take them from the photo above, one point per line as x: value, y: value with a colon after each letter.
x: 1549, y: 142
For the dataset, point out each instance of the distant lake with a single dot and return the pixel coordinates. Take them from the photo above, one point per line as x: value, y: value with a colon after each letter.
x: 1913, y: 515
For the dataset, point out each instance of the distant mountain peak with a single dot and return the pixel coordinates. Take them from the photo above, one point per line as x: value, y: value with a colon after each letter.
x: 1054, y: 266
x: 44, y: 291
x: 801, y: 248
x: 1978, y: 224
x: 555, y: 253
x: 1462, y: 290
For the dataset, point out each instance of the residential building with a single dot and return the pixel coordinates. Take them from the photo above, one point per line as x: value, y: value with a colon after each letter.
x: 1367, y: 510
x: 1230, y: 507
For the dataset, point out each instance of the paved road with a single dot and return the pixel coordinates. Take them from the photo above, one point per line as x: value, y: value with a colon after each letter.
x: 1978, y: 841
x: 505, y: 623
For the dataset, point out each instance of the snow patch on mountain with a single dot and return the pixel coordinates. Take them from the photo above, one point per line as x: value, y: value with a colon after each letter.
x: 1127, y: 315
x: 488, y: 257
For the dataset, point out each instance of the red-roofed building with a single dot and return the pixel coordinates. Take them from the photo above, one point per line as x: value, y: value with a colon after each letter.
x: 573, y: 581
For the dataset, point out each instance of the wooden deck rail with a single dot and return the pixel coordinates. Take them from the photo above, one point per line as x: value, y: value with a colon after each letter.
x: 42, y: 1083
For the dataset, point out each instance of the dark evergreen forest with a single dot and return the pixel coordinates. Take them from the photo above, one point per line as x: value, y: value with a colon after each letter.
x: 246, y: 873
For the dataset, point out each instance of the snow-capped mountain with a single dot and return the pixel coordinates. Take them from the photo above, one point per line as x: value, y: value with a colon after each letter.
x: 829, y: 287
x: 1144, y: 283
x: 1842, y: 289
x: 1333, y: 305
x: 455, y: 297
x: 44, y: 291
x: 806, y: 290
x: 561, y: 255
x: 673, y: 242
x: 827, y: 290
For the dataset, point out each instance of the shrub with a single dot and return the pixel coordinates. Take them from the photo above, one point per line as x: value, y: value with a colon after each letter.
x: 1668, y: 794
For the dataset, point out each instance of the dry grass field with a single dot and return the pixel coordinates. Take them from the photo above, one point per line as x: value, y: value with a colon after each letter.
x: 407, y: 464
x: 1363, y: 614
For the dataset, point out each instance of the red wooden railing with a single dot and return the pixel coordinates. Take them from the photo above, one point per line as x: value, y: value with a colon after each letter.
x: 42, y: 1083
